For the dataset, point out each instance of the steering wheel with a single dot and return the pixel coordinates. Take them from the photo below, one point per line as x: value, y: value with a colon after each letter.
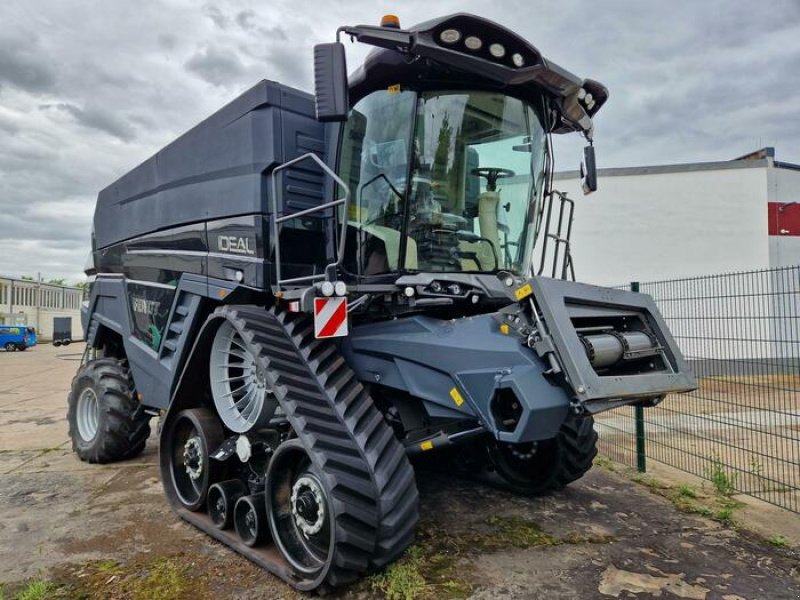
x: 492, y: 174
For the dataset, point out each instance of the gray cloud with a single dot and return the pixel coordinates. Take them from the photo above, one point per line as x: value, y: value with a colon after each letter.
x: 245, y: 18
x: 217, y: 16
x: 24, y: 65
x: 216, y: 66
x: 96, y: 118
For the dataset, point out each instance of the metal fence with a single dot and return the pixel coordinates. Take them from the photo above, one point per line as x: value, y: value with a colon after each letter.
x: 740, y: 333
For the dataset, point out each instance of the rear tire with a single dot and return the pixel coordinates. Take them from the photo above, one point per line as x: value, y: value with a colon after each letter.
x: 10, y: 347
x: 541, y: 467
x: 106, y: 422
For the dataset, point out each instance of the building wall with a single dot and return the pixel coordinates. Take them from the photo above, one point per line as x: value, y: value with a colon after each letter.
x: 24, y: 302
x: 784, y: 242
x: 646, y: 225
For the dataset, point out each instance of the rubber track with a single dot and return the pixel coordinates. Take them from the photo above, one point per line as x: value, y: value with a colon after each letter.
x: 367, y: 470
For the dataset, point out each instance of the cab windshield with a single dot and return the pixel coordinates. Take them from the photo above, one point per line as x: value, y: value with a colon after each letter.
x: 441, y: 182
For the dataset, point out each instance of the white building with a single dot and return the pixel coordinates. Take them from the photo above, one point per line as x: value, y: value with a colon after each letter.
x: 671, y: 221
x: 44, y: 306
x: 652, y: 224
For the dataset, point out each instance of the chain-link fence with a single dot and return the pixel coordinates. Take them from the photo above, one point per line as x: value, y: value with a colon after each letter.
x: 740, y: 333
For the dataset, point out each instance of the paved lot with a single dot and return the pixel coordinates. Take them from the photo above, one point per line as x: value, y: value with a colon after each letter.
x: 98, y: 530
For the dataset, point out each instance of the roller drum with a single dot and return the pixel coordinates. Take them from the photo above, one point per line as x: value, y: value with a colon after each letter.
x: 607, y: 349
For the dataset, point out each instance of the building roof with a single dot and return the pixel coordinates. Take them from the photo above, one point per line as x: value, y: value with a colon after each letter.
x: 760, y: 158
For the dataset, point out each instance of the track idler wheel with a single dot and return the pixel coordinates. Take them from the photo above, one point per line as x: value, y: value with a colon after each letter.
x: 222, y: 497
x: 300, y: 511
x: 250, y: 519
x: 186, y: 465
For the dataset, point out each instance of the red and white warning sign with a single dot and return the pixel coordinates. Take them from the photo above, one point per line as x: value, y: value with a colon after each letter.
x: 330, y: 317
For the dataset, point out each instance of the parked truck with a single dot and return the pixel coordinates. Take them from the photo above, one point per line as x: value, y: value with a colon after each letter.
x: 309, y: 290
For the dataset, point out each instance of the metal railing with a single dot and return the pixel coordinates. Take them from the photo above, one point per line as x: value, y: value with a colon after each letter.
x: 740, y: 333
x: 560, y: 232
x: 277, y: 202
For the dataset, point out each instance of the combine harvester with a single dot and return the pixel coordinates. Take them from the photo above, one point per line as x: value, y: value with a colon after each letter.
x: 310, y: 289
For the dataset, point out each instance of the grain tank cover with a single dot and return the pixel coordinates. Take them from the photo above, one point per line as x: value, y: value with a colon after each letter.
x: 217, y: 168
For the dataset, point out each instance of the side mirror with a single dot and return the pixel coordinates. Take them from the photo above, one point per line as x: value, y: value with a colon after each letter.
x: 330, y: 82
x: 588, y: 171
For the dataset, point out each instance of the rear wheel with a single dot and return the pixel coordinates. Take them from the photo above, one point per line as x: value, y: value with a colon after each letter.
x: 10, y: 347
x: 536, y: 468
x: 106, y: 422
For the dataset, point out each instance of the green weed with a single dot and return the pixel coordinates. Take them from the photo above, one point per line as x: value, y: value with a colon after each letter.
x: 36, y: 590
x: 723, y: 481
x: 403, y: 580
x: 778, y: 540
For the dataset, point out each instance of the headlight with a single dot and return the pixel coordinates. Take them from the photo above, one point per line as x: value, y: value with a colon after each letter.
x: 450, y: 36
x: 473, y: 43
x: 517, y: 59
x: 497, y: 50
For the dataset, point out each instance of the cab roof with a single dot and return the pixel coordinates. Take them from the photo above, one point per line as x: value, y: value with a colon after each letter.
x: 419, y: 57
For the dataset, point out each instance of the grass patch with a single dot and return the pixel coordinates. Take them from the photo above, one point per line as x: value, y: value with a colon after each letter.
x: 35, y: 590
x: 165, y: 579
x: 516, y: 532
x: 403, y: 580
x: 648, y: 481
x: 604, y: 463
x: 778, y: 541
x: 148, y: 579
x: 723, y: 481
x: 716, y: 505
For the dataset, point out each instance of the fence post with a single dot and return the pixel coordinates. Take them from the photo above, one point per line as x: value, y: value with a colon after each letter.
x: 641, y: 454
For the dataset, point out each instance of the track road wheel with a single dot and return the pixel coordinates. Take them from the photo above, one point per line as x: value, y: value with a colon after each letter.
x: 540, y: 467
x: 106, y: 422
x: 186, y: 464
x: 300, y: 512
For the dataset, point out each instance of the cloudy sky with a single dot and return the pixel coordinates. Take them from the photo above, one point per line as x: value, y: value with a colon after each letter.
x: 88, y: 89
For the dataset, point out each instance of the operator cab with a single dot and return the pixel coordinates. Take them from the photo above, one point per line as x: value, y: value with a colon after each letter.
x: 444, y: 147
x: 442, y: 181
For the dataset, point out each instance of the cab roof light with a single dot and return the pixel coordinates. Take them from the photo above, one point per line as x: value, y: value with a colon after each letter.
x: 450, y: 36
x: 390, y: 21
x: 497, y: 50
x: 473, y: 43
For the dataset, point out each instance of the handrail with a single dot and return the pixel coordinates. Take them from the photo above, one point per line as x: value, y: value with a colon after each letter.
x: 559, y: 237
x: 276, y: 220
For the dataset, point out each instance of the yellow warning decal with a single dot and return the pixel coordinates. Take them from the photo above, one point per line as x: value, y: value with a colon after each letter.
x: 505, y: 329
x: 394, y: 89
x: 523, y: 292
x: 457, y: 397
x: 426, y: 445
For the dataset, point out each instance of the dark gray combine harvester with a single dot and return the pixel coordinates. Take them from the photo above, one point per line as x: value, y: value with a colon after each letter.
x: 312, y: 289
